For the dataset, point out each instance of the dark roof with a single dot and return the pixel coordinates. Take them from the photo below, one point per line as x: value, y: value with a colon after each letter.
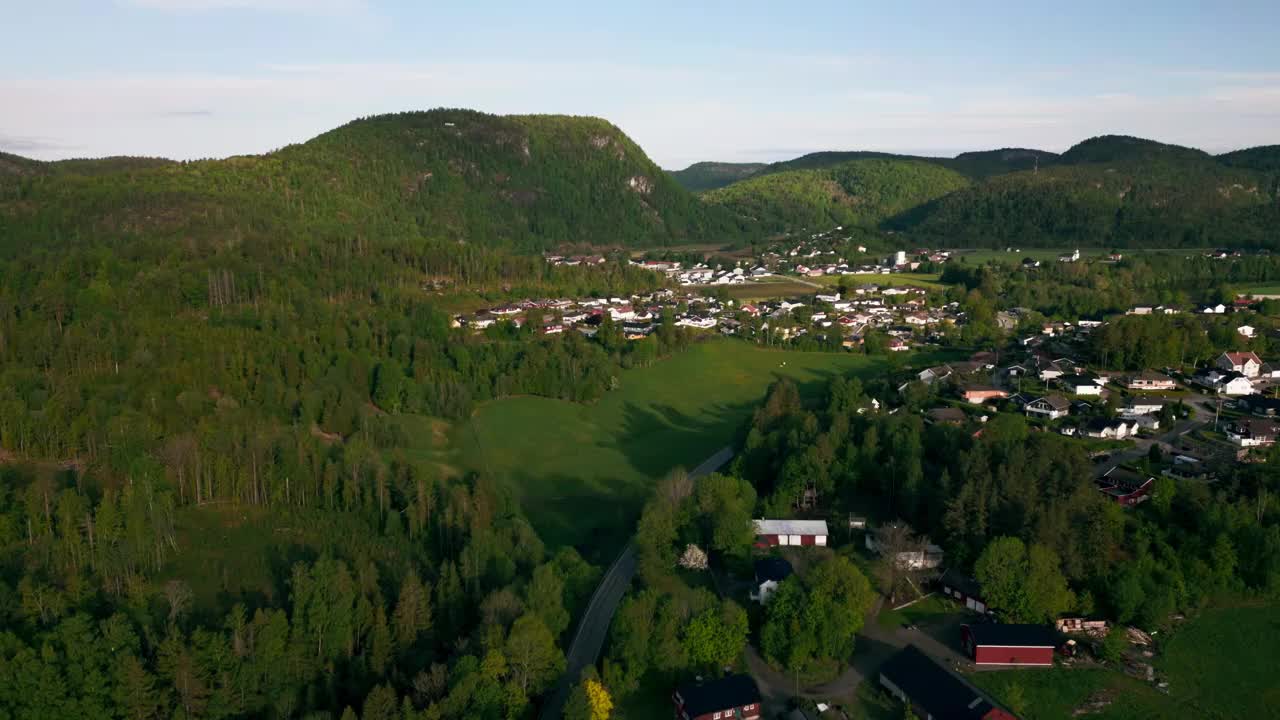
x: 933, y: 688
x: 955, y: 579
x: 1125, y: 479
x: 716, y: 695
x: 1013, y: 635
x: 1057, y: 402
x: 948, y: 415
x: 772, y: 568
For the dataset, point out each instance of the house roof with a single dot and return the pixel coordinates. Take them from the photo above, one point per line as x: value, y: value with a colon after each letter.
x: 772, y: 568
x: 791, y: 527
x: 1152, y: 376
x: 933, y: 688
x: 1240, y: 358
x: 948, y: 414
x: 1125, y: 478
x: 1257, y: 427
x: 1057, y: 402
x: 1013, y: 635
x: 717, y: 695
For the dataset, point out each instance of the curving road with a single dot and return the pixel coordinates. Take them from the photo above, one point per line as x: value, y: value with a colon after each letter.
x: 589, y: 638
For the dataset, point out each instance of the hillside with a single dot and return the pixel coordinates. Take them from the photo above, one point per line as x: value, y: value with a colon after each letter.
x: 1110, y: 191
x: 976, y: 165
x: 710, y: 175
x: 529, y: 182
x: 860, y: 192
x: 1265, y: 158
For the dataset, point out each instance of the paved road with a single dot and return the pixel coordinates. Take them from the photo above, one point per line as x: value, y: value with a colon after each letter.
x: 589, y: 638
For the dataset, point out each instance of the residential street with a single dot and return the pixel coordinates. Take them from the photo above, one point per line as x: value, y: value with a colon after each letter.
x: 593, y: 627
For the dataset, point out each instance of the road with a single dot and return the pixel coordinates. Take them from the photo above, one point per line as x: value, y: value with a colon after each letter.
x: 593, y: 628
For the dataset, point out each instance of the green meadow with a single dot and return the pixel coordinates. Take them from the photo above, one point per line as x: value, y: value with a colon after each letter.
x: 1221, y: 664
x: 581, y: 472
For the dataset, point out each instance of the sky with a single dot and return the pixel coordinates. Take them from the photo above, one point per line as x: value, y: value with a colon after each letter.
x: 737, y: 81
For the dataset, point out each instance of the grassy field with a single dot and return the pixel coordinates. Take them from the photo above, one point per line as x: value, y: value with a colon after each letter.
x: 581, y: 472
x: 929, y: 608
x: 1258, y: 289
x: 764, y: 289
x: 928, y: 281
x: 1218, y: 666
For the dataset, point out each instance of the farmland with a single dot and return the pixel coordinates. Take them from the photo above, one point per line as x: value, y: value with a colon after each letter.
x: 928, y: 281
x: 582, y: 471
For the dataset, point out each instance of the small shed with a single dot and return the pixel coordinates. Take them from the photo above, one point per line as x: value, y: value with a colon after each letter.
x: 1011, y: 645
x: 791, y: 532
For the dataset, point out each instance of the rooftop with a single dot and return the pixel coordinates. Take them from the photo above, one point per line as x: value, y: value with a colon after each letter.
x: 1014, y: 635
x: 716, y: 695
x: 791, y: 527
x: 935, y: 689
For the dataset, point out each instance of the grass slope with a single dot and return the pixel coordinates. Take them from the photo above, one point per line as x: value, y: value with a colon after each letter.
x: 581, y: 472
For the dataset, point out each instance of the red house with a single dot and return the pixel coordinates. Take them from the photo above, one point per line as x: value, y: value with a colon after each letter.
x: 1125, y: 486
x: 791, y: 532
x: 734, y: 696
x: 993, y: 644
x: 932, y: 691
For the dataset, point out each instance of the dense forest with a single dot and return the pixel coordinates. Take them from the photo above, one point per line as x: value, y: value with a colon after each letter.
x: 963, y: 490
x: 860, y: 192
x: 711, y: 175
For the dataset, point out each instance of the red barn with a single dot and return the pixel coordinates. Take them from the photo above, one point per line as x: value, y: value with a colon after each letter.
x: 733, y: 696
x: 791, y: 532
x: 994, y: 644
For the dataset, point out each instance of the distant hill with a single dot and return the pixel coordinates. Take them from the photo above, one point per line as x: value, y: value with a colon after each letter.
x: 1265, y: 158
x: 858, y: 192
x: 1110, y: 190
x: 977, y: 165
x: 710, y: 175
x: 528, y: 182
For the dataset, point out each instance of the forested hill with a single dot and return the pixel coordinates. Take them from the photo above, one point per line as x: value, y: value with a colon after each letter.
x: 976, y: 165
x: 526, y: 182
x: 861, y: 192
x: 1111, y: 190
x: 711, y: 175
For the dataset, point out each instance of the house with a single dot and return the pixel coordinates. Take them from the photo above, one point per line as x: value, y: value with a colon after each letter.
x: 1149, y: 380
x: 1245, y: 363
x: 1111, y: 429
x: 933, y: 692
x: 1082, y: 384
x: 770, y: 571
x: 1019, y: 645
x: 791, y: 532
x: 1049, y: 406
x: 1253, y: 432
x: 927, y: 559
x: 898, y: 345
x: 1214, y: 309
x: 1138, y: 407
x: 947, y: 416
x: 1246, y: 330
x: 938, y: 372
x: 1056, y: 369
x: 979, y: 394
x: 732, y: 696
x: 1260, y: 405
x: 1125, y: 487
x: 1234, y: 383
x: 964, y: 590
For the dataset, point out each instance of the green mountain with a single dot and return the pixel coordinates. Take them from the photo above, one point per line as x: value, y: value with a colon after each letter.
x: 860, y: 192
x: 977, y: 165
x: 1110, y: 190
x: 710, y: 175
x: 529, y: 182
x: 1265, y: 158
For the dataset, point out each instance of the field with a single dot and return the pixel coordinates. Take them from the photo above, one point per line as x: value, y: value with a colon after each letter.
x: 928, y: 281
x: 1259, y: 289
x: 766, y: 289
x: 1217, y: 666
x: 581, y: 472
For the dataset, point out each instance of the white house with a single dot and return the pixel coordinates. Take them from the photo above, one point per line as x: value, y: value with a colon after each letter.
x: 1236, y: 384
x: 1138, y: 407
x: 1245, y: 363
x: 1083, y: 384
x: 1148, y: 380
x: 1214, y: 309
x: 770, y: 571
x: 1246, y: 330
x: 1050, y: 406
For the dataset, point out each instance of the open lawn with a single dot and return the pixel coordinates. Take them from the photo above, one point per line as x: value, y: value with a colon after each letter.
x: 764, y: 289
x: 1259, y: 289
x: 930, y: 608
x: 1219, y: 665
x: 581, y: 472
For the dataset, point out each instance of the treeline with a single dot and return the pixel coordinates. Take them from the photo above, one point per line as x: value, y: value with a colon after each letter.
x: 448, y: 608
x: 1193, y: 542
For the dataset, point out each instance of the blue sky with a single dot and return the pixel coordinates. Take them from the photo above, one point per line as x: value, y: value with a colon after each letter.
x: 737, y: 81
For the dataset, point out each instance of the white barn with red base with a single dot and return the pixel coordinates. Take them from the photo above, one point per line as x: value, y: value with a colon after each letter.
x: 791, y: 532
